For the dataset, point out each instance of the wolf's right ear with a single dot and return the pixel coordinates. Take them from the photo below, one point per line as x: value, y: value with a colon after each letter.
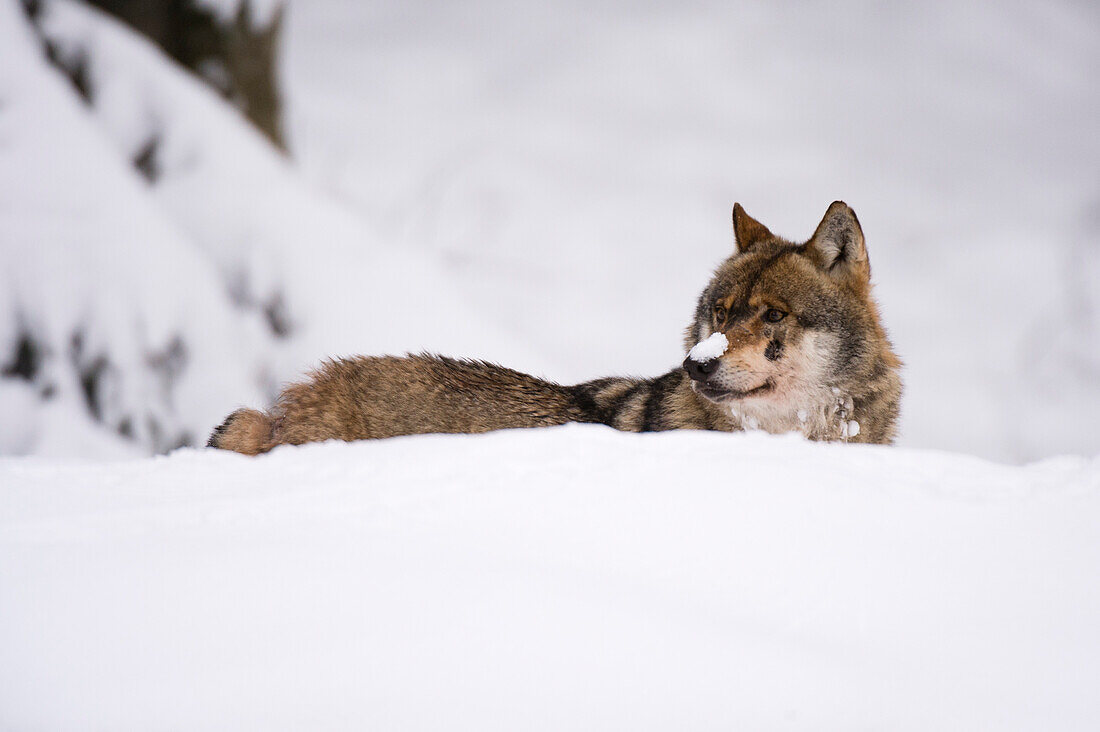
x: 747, y: 231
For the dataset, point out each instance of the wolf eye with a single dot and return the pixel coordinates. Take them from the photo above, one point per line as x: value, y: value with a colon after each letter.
x: 772, y: 315
x: 719, y: 313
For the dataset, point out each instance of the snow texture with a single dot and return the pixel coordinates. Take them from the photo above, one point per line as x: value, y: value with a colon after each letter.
x: 709, y: 348
x: 126, y: 320
x: 565, y: 578
x: 515, y: 183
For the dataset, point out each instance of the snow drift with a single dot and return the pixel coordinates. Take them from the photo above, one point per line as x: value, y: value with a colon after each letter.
x: 565, y: 578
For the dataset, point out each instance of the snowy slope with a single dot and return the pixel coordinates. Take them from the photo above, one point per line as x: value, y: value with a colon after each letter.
x: 568, y: 578
x: 128, y: 319
x: 169, y: 287
x: 273, y: 237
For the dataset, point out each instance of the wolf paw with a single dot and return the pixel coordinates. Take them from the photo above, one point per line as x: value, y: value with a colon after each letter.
x: 840, y: 415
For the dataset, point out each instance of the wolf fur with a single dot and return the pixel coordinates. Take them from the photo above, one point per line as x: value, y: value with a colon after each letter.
x: 806, y: 353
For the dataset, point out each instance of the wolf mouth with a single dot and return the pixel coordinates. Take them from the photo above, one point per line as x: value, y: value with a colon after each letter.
x: 720, y: 396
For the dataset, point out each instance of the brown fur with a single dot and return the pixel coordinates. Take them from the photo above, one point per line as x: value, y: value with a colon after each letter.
x: 826, y: 368
x: 245, y: 431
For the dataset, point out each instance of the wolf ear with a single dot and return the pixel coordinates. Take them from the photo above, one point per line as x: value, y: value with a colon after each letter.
x: 747, y: 231
x: 837, y: 245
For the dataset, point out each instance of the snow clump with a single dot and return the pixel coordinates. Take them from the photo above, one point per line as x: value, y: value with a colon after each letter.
x: 709, y: 349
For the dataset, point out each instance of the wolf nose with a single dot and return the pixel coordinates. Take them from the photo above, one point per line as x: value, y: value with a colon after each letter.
x: 700, y: 370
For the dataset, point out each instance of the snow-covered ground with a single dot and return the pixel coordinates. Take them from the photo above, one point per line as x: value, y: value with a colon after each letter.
x: 566, y: 578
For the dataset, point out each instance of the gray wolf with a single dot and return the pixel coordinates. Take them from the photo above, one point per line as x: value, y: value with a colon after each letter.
x: 786, y: 337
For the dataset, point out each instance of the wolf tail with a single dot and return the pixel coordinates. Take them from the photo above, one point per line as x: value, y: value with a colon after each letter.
x: 245, y: 431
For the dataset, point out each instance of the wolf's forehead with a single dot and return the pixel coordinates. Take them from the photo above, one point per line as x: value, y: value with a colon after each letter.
x: 740, y: 274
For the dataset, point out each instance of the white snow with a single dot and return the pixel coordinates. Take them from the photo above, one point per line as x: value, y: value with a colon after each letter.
x: 514, y: 183
x: 566, y: 578
x: 848, y: 428
x: 709, y: 349
x: 260, y: 12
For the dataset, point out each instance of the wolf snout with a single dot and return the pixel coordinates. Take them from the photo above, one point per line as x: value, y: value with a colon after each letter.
x: 700, y: 370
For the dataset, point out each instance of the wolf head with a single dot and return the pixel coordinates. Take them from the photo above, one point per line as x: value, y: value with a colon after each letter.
x: 804, y: 348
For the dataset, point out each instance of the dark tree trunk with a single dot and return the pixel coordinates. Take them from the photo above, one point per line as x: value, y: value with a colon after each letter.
x: 238, y: 58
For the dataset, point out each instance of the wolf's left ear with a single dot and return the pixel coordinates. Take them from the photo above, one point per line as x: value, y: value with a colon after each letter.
x: 837, y: 245
x: 747, y: 231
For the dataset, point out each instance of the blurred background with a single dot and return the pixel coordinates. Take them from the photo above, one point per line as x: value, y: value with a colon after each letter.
x: 201, y: 199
